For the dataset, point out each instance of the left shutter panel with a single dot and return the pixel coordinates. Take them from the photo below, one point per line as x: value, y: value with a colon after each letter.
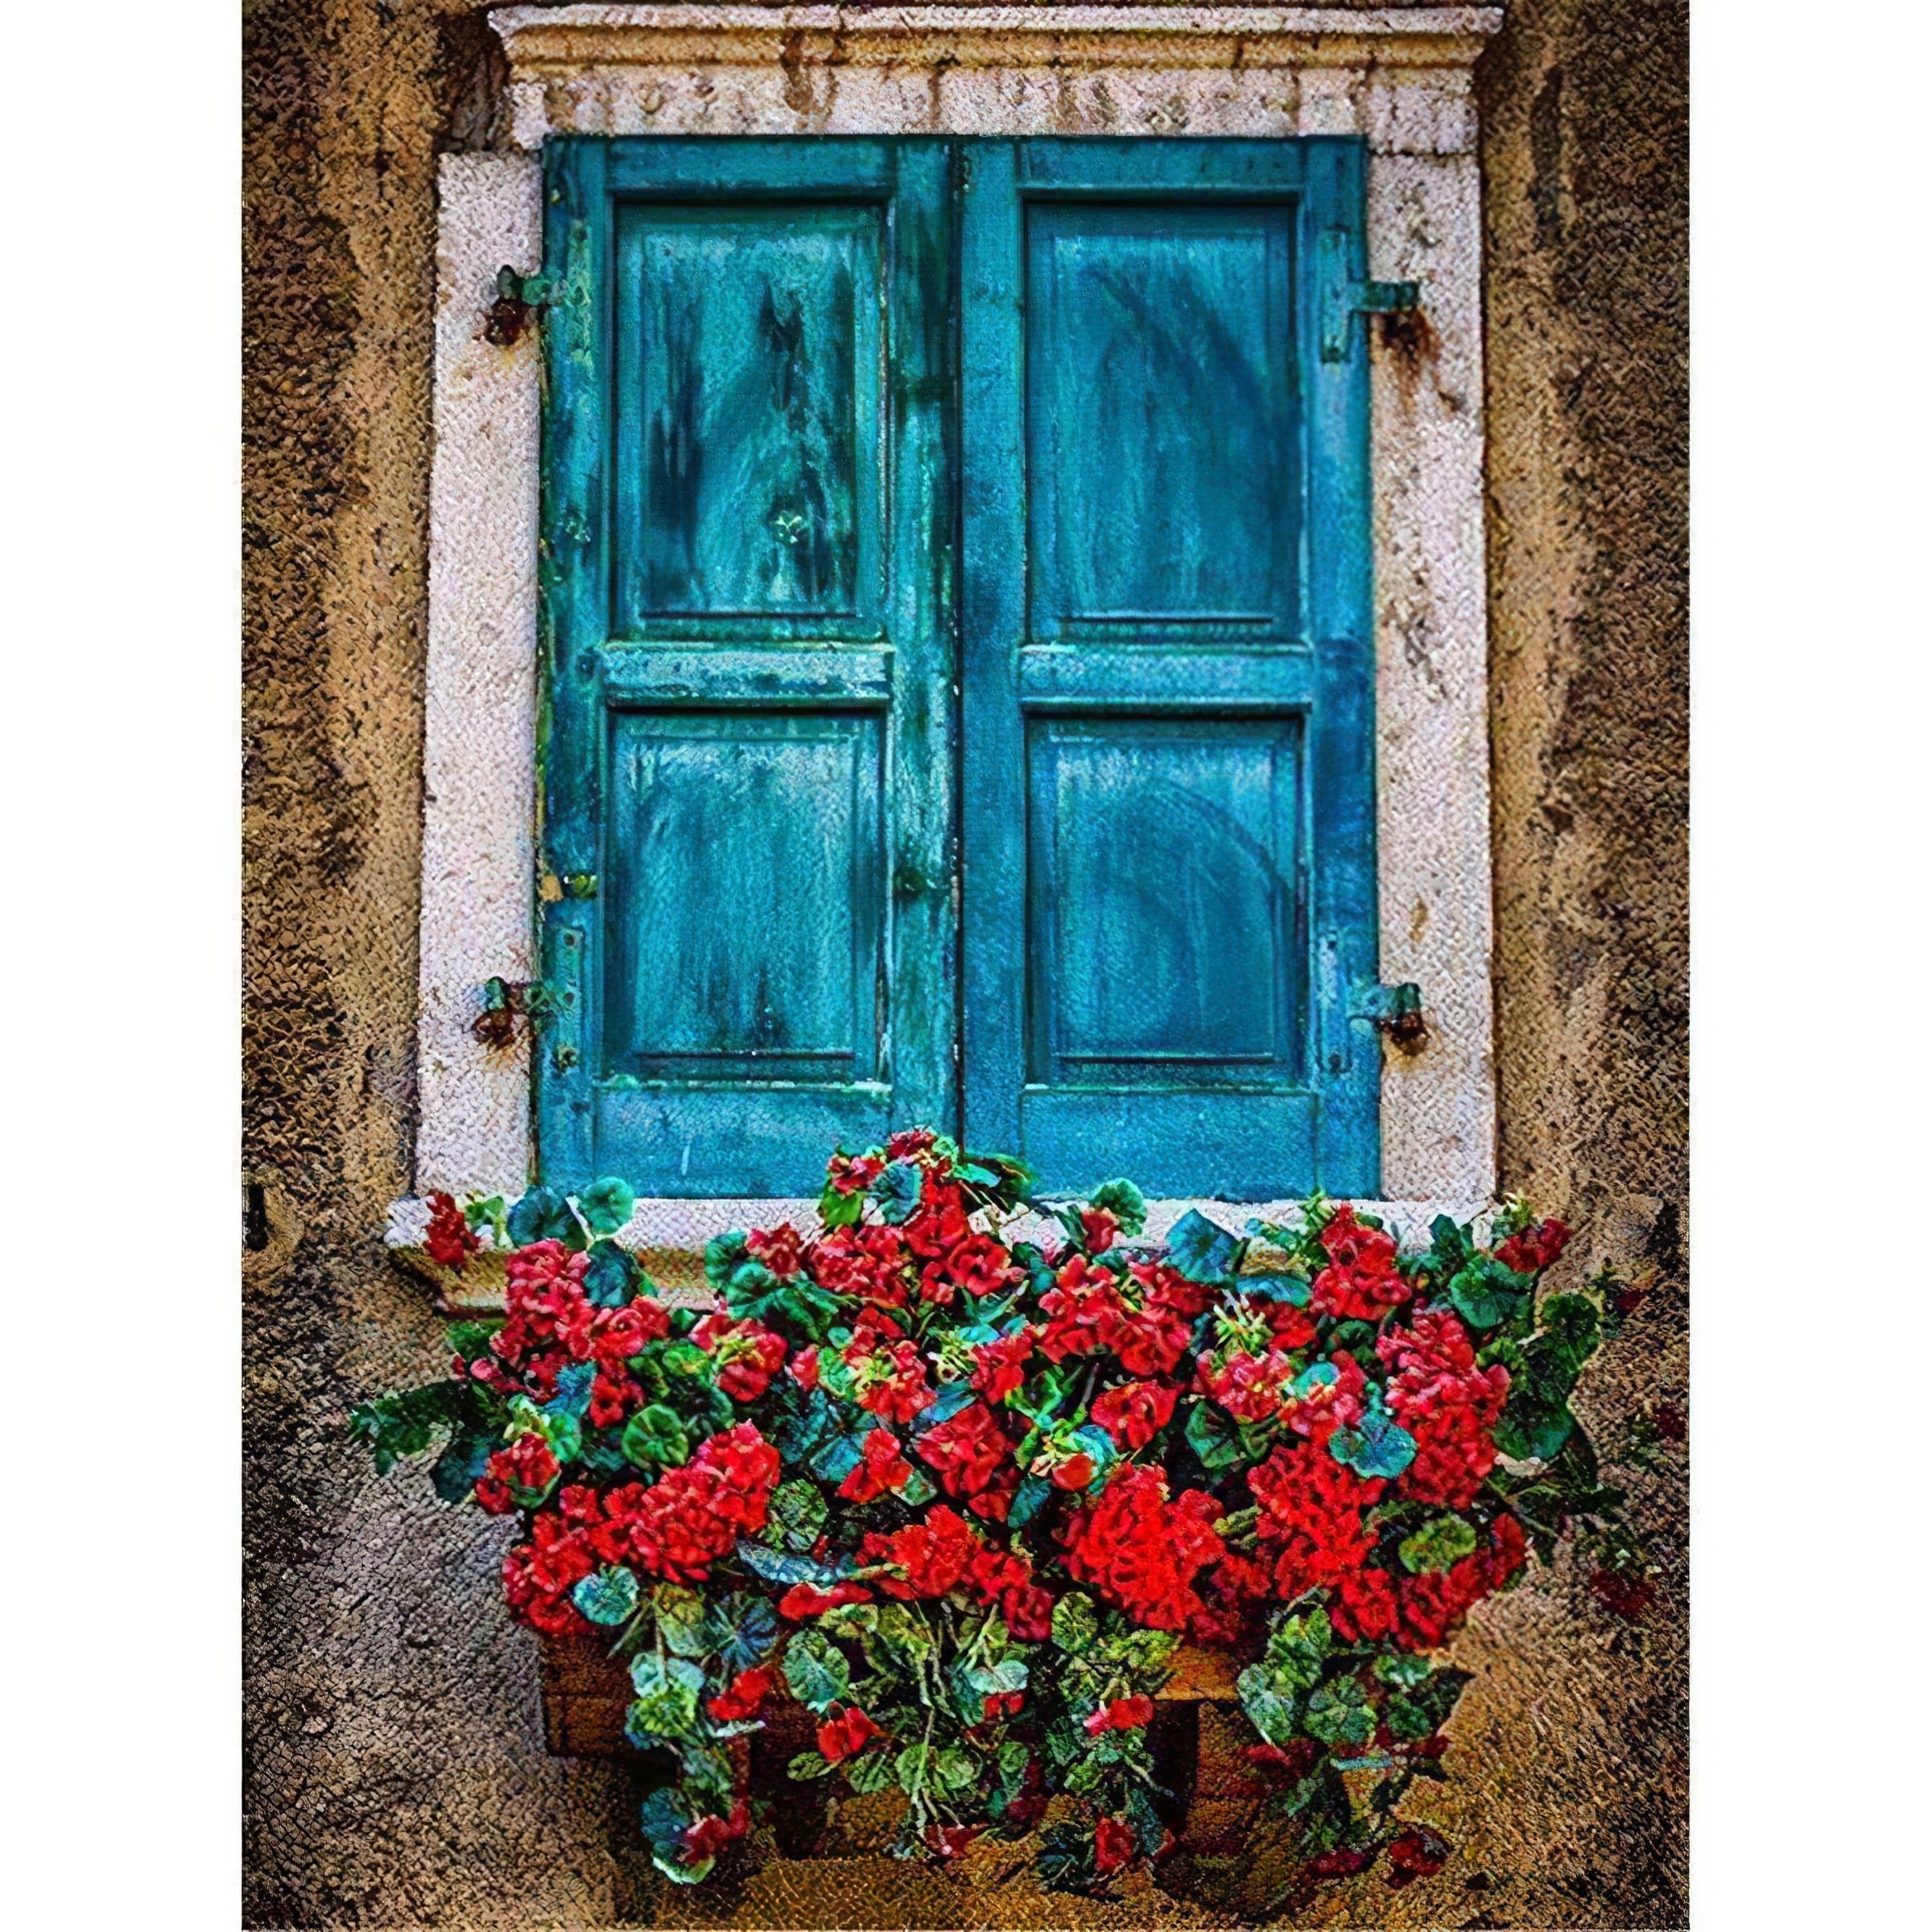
x: 747, y: 751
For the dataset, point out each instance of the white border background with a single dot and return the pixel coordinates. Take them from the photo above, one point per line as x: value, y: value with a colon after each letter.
x: 1812, y: 714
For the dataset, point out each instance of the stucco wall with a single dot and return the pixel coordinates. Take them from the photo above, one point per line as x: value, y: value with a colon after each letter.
x: 395, y: 1768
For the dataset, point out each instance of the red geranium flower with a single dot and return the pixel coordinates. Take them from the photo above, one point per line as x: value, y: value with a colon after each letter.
x: 741, y: 1699
x: 1361, y: 1283
x: 1000, y: 1367
x: 1123, y: 1714
x: 1114, y: 1844
x: 879, y: 1470
x: 1534, y: 1249
x: 448, y: 1241
x: 807, y: 1599
x: 1141, y: 1552
x: 850, y: 1732
x: 1134, y: 1414
x: 967, y: 1449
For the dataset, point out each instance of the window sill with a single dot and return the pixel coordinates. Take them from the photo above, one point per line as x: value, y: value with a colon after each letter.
x: 668, y: 1238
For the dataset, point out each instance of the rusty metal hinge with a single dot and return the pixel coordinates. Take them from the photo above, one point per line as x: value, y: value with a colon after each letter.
x: 520, y: 300
x: 1396, y: 1012
x: 1344, y: 296
x: 504, y: 999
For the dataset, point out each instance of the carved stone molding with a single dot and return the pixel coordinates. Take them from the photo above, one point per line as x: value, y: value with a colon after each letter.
x: 1398, y: 76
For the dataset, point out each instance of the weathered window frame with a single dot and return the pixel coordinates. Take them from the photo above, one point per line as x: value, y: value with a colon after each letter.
x: 1401, y: 78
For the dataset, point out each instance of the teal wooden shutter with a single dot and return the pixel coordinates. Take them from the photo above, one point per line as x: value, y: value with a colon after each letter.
x: 748, y: 741
x: 1168, y: 785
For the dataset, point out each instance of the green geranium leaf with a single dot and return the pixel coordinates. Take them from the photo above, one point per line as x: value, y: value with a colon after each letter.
x: 1419, y: 1711
x: 681, y: 1620
x: 1013, y: 1181
x: 1297, y: 1647
x: 666, y: 1705
x: 666, y: 1814
x: 543, y: 1214
x: 796, y: 1516
x: 1377, y: 1446
x: 871, y: 1772
x: 896, y: 1192
x: 743, y: 1629
x: 1034, y: 1491
x: 815, y: 1671
x: 406, y: 1423
x: 608, y: 1595
x: 1531, y: 1431
x: 1212, y: 1435
x: 915, y: 1490
x: 1065, y: 1861
x: 780, y: 1568
x: 914, y: 1768
x: 955, y: 1769
x: 1125, y: 1202
x: 1486, y: 1294
x: 458, y: 1469
x: 572, y: 1396
x: 1399, y: 1668
x: 837, y: 1210
x: 1442, y: 1541
x: 606, y: 1204
x: 611, y: 1276
x: 902, y: 1627
x: 1202, y: 1251
x: 1075, y: 1626
x: 470, y: 1339
x: 1270, y: 1710
x: 1340, y: 1713
x: 654, y: 1438
x: 722, y: 1253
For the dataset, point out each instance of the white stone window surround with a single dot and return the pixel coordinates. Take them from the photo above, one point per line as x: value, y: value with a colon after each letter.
x: 1401, y: 77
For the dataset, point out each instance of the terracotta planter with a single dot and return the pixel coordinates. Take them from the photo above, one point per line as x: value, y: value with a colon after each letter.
x: 1196, y: 1737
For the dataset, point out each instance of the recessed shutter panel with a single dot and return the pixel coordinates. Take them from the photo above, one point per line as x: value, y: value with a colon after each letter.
x: 1168, y: 797
x: 748, y: 746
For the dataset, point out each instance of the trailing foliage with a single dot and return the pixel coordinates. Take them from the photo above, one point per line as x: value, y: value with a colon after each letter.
x: 962, y: 1496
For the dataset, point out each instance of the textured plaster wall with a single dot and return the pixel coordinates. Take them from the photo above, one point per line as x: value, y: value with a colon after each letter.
x: 394, y: 1766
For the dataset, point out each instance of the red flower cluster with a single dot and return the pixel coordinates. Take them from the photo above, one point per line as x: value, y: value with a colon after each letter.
x: 1141, y: 1552
x: 1133, y: 1413
x: 1534, y: 1249
x: 999, y: 1368
x: 1122, y: 1714
x: 1361, y: 1282
x: 1433, y: 1607
x: 1087, y: 1315
x: 676, y: 1527
x: 968, y: 1451
x: 518, y: 1476
x: 748, y: 1357
x: 448, y: 1241
x: 1446, y: 1403
x: 880, y: 1469
x: 865, y: 1262
x: 744, y: 1696
x: 802, y: 1600
x: 1309, y: 1518
x: 553, y: 1322
x: 846, y: 1735
x: 888, y: 1376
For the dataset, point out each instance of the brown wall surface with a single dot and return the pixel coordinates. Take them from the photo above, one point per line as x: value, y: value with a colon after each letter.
x: 394, y: 1762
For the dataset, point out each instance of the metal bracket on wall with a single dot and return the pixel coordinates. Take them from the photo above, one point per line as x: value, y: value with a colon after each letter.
x: 520, y: 300
x: 1344, y: 296
x: 1396, y: 1012
x: 496, y: 1026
